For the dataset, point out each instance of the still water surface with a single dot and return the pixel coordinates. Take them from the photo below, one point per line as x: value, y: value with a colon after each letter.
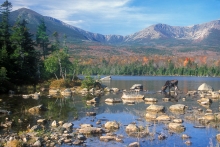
x: 68, y: 108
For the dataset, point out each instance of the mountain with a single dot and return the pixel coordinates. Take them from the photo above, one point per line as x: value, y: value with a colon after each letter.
x: 163, y: 34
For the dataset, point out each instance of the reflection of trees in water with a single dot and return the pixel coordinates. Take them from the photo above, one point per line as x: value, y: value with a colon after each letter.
x: 61, y: 108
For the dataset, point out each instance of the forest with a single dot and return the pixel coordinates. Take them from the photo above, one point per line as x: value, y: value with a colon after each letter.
x: 27, y: 59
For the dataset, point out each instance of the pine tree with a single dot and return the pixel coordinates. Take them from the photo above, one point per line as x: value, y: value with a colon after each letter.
x: 24, y: 57
x: 42, y: 38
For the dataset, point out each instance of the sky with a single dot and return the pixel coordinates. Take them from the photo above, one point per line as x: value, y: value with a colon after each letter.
x: 123, y: 17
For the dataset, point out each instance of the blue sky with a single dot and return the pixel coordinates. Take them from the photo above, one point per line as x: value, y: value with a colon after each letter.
x: 124, y: 17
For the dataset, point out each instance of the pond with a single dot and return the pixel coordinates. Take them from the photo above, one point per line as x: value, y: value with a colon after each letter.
x: 73, y: 109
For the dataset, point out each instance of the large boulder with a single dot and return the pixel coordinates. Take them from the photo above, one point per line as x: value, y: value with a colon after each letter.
x: 155, y: 108
x: 205, y: 87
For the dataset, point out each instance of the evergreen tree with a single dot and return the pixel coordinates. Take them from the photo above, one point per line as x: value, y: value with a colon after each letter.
x: 5, y: 9
x: 42, y: 38
x: 5, y: 45
x: 25, y: 58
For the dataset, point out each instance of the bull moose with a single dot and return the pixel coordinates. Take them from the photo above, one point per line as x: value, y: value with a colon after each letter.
x: 169, y: 84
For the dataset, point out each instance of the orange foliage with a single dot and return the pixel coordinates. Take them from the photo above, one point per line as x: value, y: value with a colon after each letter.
x: 203, y: 59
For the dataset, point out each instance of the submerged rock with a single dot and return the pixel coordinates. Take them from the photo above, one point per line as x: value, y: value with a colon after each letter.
x: 134, y: 144
x: 155, y: 108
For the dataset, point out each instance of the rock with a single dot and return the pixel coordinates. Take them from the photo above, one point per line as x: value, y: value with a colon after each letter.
x: 90, y: 114
x: 37, y: 109
x: 78, y: 142
x: 184, y: 136
x: 177, y: 107
x: 132, y: 128
x: 110, y: 100
x: 93, y: 101
x: 177, y: 127
x: 209, y: 111
x: 166, y: 99
x: 215, y: 94
x: 68, y: 125
x: 85, y: 126
x: 107, y: 138
x: 161, y: 137
x: 53, y: 91
x: 178, y: 121
x: 36, y: 128
x: 137, y: 87
x: 192, y: 93
x: 188, y: 142
x: 151, y: 116
x: 205, y: 87
x: 91, y: 130
x: 150, y: 100
x: 208, y: 117
x: 111, y: 125
x: 67, y: 92
x: 107, y: 89
x: 54, y: 123
x: 163, y: 118
x: 218, y: 137
x: 37, y: 144
x: 98, y: 122
x: 134, y: 144
x: 129, y: 102
x: 155, y: 108
x: 61, y: 122
x: 41, y: 120
x: 115, y: 89
x: 204, y: 101
x: 81, y: 136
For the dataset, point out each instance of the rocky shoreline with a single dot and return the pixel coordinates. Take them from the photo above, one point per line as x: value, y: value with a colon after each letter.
x: 48, y: 132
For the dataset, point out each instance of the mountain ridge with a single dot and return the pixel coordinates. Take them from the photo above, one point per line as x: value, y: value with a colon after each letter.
x: 157, y: 32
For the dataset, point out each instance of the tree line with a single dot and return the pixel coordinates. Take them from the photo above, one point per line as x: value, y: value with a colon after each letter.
x: 150, y: 69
